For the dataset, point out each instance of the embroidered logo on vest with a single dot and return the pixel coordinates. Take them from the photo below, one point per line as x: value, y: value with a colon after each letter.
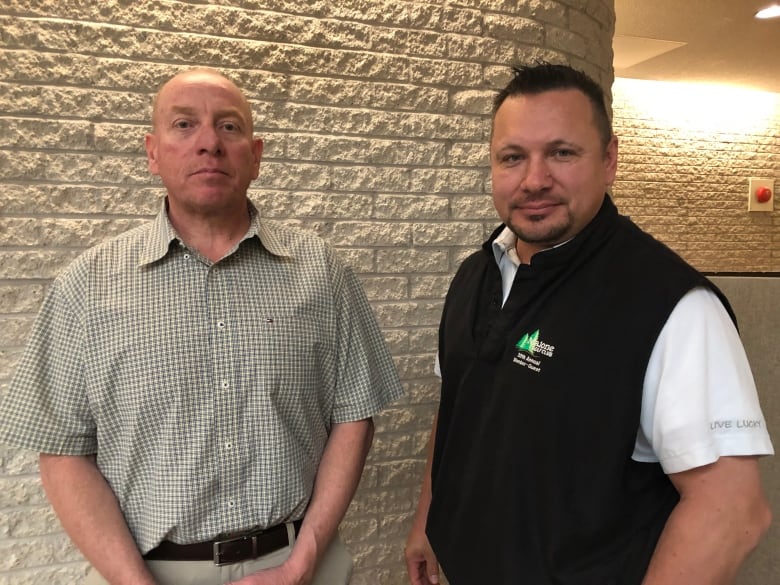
x: 530, y: 351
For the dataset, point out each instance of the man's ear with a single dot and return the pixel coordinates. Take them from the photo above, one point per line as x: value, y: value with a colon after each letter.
x: 150, y: 143
x: 257, y: 155
x: 610, y: 160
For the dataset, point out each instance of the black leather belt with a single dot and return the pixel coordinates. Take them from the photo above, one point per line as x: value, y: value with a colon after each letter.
x: 226, y: 551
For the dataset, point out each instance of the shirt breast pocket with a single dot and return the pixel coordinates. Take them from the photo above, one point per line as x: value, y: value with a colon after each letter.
x: 290, y: 359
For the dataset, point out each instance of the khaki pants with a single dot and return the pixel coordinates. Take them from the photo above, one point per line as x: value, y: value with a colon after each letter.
x: 335, y: 568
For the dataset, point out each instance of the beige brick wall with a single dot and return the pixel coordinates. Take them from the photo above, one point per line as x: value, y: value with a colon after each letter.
x: 686, y: 154
x: 374, y: 114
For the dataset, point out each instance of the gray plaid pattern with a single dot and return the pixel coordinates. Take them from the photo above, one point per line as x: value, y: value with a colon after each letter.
x: 207, y: 390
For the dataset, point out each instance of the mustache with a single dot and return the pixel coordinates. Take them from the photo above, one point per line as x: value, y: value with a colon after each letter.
x: 535, y: 199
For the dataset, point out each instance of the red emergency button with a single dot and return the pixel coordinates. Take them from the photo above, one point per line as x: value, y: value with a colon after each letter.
x: 763, y: 194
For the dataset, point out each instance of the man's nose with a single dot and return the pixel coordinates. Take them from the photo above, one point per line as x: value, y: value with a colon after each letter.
x: 537, y: 176
x: 209, y: 141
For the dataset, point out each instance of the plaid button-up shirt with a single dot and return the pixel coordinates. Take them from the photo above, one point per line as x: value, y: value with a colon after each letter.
x: 207, y: 390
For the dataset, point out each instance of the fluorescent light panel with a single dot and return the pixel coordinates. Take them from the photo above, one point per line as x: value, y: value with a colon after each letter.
x: 769, y: 12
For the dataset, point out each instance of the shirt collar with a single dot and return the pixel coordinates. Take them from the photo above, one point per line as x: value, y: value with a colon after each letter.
x: 162, y: 234
x: 505, y: 244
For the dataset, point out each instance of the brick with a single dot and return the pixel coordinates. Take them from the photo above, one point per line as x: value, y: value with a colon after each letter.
x: 370, y: 178
x: 23, y: 199
x: 292, y: 177
x: 398, y: 473
x: 510, y: 28
x: 9, y: 357
x: 21, y: 491
x: 72, y: 168
x: 16, y: 462
x: 62, y: 233
x: 63, y: 574
x: 425, y: 391
x: 358, y: 529
x: 479, y: 48
x: 347, y: 93
x: 26, y: 133
x: 473, y: 207
x: 395, y: 446
x: 417, y: 366
x: 471, y: 155
x: 397, y: 340
x: 397, y: 526
x: 28, y: 522
x: 360, y: 260
x: 21, y: 298
x: 35, y: 552
x: 379, y: 576
x: 72, y: 102
x: 371, y: 234
x: 416, y: 207
x: 559, y: 37
x: 120, y: 138
x: 412, y: 260
x: 14, y: 330
x: 454, y: 234
x: 341, y: 149
x: 423, y: 340
x: 456, y: 19
x: 37, y: 264
x: 427, y: 287
x: 282, y: 204
x: 441, y: 71
x: 377, y: 553
x: 385, y: 288
x: 449, y: 180
x: 409, y: 314
x: 401, y: 418
x: 382, y: 501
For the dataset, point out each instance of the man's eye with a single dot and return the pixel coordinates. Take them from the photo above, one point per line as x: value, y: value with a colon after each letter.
x: 231, y: 127
x: 181, y: 124
x: 563, y: 153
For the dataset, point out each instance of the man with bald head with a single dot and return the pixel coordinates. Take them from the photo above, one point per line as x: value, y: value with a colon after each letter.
x: 201, y: 388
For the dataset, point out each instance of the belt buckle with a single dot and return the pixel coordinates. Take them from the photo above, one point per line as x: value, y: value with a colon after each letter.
x: 234, y: 550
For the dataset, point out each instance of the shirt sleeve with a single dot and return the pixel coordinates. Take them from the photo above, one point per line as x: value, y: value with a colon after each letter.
x: 367, y: 378
x: 46, y: 407
x: 699, y: 399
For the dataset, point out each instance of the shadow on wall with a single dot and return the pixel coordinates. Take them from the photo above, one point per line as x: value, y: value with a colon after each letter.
x: 754, y: 299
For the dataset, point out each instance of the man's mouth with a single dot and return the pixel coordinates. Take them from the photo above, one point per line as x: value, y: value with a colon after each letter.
x: 209, y: 171
x: 536, y: 206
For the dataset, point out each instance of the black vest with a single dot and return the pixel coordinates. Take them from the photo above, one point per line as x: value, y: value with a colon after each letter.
x: 533, y: 481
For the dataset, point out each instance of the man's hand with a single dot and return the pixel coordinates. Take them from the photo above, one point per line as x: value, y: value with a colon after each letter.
x: 421, y: 563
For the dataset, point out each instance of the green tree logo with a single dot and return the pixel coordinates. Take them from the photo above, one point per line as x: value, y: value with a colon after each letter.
x: 528, y: 342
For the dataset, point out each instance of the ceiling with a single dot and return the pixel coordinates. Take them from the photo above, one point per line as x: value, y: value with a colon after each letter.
x: 715, y: 41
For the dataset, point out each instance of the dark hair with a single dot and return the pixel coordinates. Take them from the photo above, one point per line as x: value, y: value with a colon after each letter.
x: 542, y: 77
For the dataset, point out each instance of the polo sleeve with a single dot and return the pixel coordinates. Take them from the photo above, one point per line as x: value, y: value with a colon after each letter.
x: 367, y: 379
x: 699, y: 401
x: 46, y: 407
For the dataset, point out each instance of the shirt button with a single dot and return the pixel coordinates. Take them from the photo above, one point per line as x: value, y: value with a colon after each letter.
x: 225, y: 384
x: 231, y: 503
x: 220, y: 324
x: 186, y: 256
x: 228, y: 445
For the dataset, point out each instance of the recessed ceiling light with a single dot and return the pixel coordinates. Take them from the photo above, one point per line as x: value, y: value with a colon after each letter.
x: 769, y: 12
